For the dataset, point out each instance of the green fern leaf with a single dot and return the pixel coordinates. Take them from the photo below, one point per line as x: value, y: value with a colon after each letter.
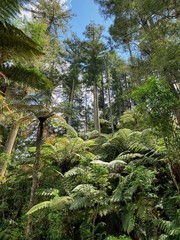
x: 74, y: 171
x: 128, y: 221
x: 35, y: 208
x: 60, y: 202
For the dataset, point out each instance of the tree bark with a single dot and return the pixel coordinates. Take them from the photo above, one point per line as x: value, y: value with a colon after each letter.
x: 103, y: 98
x: 9, y: 145
x: 35, y: 175
x: 71, y: 102
x: 110, y: 107
x: 96, y: 108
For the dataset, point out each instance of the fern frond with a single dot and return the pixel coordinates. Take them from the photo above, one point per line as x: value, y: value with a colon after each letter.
x: 57, y: 202
x: 39, y: 206
x: 14, y: 43
x: 100, y: 162
x: 9, y: 8
x: 47, y: 192
x: 75, y: 171
x: 163, y: 225
x: 84, y: 188
x: 79, y: 203
x: 118, y: 192
x: 137, y: 147
x: 128, y: 221
x: 29, y: 77
x: 117, y: 165
x: 170, y: 207
x: 127, y: 157
x: 61, y: 202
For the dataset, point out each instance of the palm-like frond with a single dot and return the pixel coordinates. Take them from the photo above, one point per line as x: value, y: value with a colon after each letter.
x: 57, y: 202
x: 75, y: 171
x: 61, y: 202
x: 30, y: 77
x: 10, y: 8
x: 14, y: 43
x: 128, y: 156
x: 113, y: 166
x: 85, y: 189
x: 35, y: 208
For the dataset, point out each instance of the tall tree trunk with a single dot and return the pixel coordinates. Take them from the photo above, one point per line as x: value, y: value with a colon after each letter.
x: 110, y: 105
x: 96, y: 108
x: 71, y: 102
x: 35, y: 174
x: 86, y: 112
x: 103, y: 98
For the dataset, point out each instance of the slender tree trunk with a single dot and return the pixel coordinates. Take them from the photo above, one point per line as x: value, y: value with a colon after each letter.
x: 110, y: 105
x: 86, y: 114
x: 96, y: 108
x: 10, y: 144
x: 35, y: 175
x: 94, y: 222
x: 129, y: 49
x: 173, y: 176
x: 11, y: 138
x: 103, y: 98
x: 71, y: 102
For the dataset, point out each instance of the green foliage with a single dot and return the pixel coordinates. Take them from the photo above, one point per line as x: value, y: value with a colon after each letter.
x: 89, y: 185
x: 57, y: 203
x: 27, y: 76
x: 118, y: 238
x: 9, y: 10
x: 16, y: 44
x: 156, y: 98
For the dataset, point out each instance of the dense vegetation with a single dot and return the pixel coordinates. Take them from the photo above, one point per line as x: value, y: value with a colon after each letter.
x: 89, y: 142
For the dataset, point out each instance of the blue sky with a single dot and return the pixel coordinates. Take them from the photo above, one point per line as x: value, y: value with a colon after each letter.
x: 86, y: 11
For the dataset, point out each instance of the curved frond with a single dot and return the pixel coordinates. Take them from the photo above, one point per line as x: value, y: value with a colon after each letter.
x: 100, y: 162
x: 60, y: 202
x: 57, y: 202
x: 14, y: 43
x: 117, y: 165
x: 30, y: 77
x: 74, y: 171
x: 126, y: 157
x: 84, y: 188
x: 39, y: 206
x: 9, y: 8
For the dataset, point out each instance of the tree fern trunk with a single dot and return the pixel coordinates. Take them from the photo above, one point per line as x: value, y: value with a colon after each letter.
x: 35, y: 174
